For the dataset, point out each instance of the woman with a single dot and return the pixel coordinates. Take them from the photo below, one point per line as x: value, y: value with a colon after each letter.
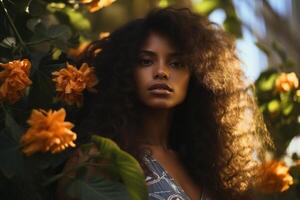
x: 172, y: 94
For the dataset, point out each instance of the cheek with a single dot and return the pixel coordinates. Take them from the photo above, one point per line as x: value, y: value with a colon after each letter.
x: 183, y: 84
x: 182, y: 88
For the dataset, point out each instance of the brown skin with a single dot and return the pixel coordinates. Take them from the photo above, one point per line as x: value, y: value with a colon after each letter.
x: 213, y: 152
x: 158, y: 63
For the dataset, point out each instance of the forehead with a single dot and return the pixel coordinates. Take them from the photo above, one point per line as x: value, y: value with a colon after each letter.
x: 158, y: 42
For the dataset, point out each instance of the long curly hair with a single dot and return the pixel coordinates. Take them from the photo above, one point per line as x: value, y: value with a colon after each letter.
x: 218, y: 131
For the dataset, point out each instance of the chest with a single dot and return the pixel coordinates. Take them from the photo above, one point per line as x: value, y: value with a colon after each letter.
x: 175, y: 169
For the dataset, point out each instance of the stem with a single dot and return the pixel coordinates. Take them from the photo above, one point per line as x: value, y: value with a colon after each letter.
x: 82, y: 164
x: 13, y: 25
x: 39, y: 42
x: 65, y: 174
x: 60, y: 175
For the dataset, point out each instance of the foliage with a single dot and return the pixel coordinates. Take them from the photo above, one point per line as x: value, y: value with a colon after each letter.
x: 39, y: 41
x: 51, y: 33
x: 278, y: 95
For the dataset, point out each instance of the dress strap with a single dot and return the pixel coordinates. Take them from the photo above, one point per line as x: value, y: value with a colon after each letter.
x: 203, y: 196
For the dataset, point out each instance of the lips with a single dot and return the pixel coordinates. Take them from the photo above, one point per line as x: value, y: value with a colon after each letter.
x: 160, y: 86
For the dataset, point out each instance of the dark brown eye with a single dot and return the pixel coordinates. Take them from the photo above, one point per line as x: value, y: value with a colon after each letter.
x: 145, y: 62
x: 176, y: 64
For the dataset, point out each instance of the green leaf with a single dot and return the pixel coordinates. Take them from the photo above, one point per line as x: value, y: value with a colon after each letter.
x: 126, y: 166
x: 132, y: 175
x: 263, y: 107
x: 233, y: 25
x: 86, y: 147
x: 274, y: 106
x: 263, y: 48
x: 56, y: 53
x: 266, y: 82
x: 97, y: 188
x: 13, y: 128
x: 280, y: 51
x: 76, y: 18
x: 106, y: 146
x: 60, y: 31
x: 288, y: 109
x: 163, y: 3
x: 12, y: 161
x: 57, y: 35
x: 206, y: 6
x: 285, y: 97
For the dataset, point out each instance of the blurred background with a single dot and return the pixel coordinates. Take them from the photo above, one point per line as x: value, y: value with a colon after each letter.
x: 50, y: 32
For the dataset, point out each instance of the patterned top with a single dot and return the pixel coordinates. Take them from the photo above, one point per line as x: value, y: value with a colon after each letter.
x: 161, y: 186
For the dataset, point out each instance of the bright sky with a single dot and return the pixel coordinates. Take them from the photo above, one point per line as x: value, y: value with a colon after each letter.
x: 253, y: 61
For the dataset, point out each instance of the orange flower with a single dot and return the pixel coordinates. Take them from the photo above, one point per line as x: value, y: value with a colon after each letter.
x: 70, y: 83
x: 95, y: 5
x: 103, y: 35
x: 14, y: 80
x: 75, y: 52
x: 274, y: 177
x: 286, y: 82
x: 48, y: 132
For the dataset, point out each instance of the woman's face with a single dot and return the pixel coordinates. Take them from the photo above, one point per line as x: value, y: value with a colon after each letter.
x: 161, y: 79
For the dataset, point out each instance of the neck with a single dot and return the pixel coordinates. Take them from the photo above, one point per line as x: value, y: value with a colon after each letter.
x: 155, y: 127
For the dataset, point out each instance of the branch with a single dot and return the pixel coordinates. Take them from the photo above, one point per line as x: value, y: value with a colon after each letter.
x: 279, y: 25
x: 13, y: 26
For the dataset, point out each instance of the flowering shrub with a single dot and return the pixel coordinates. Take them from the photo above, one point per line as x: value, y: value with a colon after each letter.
x: 274, y: 177
x: 48, y: 132
x: 278, y: 95
x: 38, y: 85
x: 14, y: 80
x: 70, y: 83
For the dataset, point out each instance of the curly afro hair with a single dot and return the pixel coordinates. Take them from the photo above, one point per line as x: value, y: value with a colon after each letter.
x: 218, y: 131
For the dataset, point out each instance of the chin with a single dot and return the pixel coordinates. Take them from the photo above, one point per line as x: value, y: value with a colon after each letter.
x: 156, y: 102
x: 160, y: 104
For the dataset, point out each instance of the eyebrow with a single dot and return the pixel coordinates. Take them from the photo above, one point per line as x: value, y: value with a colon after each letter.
x: 152, y: 53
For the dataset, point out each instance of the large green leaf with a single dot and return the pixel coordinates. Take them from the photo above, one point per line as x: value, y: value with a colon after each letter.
x: 126, y: 166
x: 12, y: 161
x: 97, y: 188
x: 12, y: 127
x: 58, y: 31
x: 132, y: 175
x: 106, y: 146
x: 57, y: 35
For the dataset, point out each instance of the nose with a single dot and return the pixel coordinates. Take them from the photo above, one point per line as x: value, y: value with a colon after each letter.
x: 161, y: 71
